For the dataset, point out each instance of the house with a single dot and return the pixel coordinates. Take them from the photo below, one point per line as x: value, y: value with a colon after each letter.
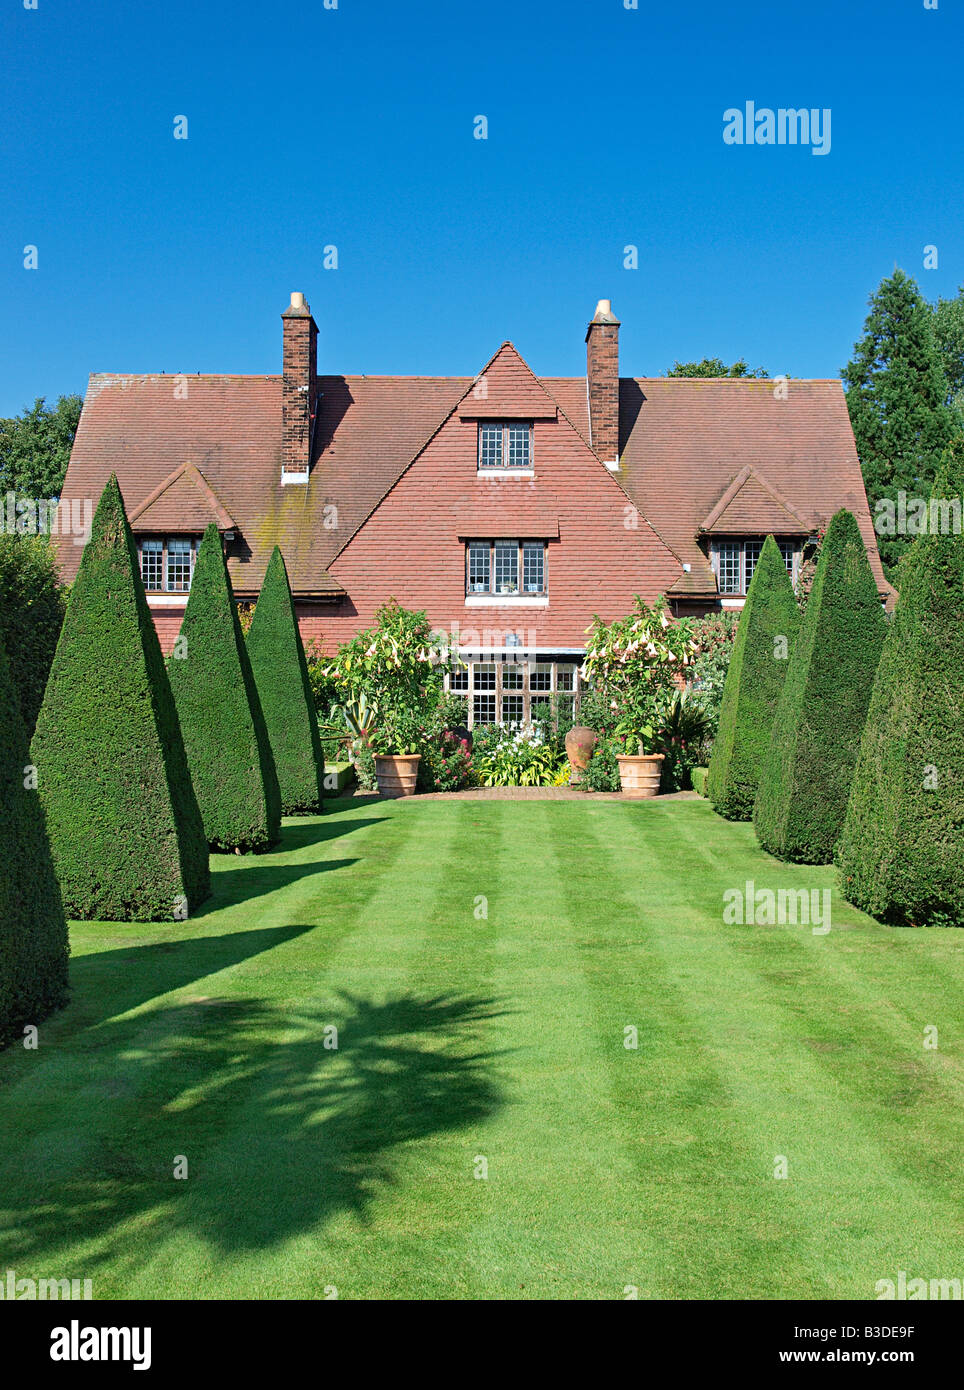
x: 511, y: 507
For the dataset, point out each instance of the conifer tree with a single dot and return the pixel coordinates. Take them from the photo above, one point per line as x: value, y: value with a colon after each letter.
x: 901, y: 851
x: 806, y: 778
x: 33, y: 930
x: 124, y: 826
x: 225, y: 737
x: 757, y: 669
x: 281, y: 674
x: 897, y: 398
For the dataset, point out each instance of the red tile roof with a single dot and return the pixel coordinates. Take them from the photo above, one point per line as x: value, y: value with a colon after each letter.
x: 685, y: 445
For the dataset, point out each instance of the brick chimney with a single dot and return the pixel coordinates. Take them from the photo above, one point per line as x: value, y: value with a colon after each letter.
x: 299, y: 389
x: 602, y: 377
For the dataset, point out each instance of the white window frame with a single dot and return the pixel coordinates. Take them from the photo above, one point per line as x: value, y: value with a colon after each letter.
x: 518, y: 587
x: 506, y: 464
x: 786, y: 543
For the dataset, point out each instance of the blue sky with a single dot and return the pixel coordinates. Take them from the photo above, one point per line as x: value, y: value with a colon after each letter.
x: 353, y: 127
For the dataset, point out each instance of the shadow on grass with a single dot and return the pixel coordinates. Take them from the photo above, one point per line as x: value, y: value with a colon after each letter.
x: 281, y: 1130
x: 257, y: 878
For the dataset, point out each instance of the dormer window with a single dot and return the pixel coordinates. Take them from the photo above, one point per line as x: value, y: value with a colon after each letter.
x: 167, y: 564
x: 505, y: 444
x: 735, y: 560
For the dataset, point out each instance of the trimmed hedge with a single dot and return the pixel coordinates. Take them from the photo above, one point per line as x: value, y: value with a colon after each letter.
x: 33, y: 929
x: 901, y: 852
x: 225, y: 737
x: 806, y: 779
x: 698, y: 778
x: 281, y: 674
x: 754, y: 679
x: 124, y: 826
x: 32, y: 606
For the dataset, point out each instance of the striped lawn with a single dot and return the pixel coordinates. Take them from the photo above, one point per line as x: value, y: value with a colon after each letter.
x: 481, y: 1129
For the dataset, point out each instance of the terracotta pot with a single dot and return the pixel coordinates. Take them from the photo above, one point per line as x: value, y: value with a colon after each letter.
x: 639, y: 777
x: 397, y: 773
x: 580, y: 743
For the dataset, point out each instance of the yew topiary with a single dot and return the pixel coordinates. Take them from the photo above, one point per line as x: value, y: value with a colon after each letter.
x: 225, y: 737
x: 33, y: 930
x: 901, y: 851
x: 754, y: 679
x: 281, y: 676
x: 124, y: 826
x: 802, y: 797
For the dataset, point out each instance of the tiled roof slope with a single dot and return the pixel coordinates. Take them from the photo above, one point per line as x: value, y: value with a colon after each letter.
x: 684, y: 444
x: 229, y: 427
x: 684, y: 440
x: 183, y: 499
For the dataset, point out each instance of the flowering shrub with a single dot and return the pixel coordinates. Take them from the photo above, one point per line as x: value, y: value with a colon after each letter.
x: 449, y: 765
x: 515, y: 758
x: 391, y: 664
x: 637, y: 663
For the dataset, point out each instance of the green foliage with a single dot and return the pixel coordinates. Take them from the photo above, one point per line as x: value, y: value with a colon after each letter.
x: 446, y: 765
x: 807, y: 774
x: 602, y: 774
x: 714, y: 636
x: 35, y: 447
x: 125, y: 831
x: 33, y: 930
x: 281, y: 675
x: 515, y: 758
x: 757, y: 670
x: 896, y: 396
x: 716, y: 367
x: 392, y: 664
x: 948, y: 321
x: 634, y: 662
x: 225, y: 737
x: 32, y: 602
x: 683, y: 735
x: 901, y: 852
x: 325, y: 690
x: 698, y: 778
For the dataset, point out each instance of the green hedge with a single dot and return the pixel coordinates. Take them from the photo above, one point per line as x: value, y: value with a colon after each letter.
x: 281, y: 675
x: 33, y: 930
x: 225, y: 737
x: 754, y: 679
x: 806, y: 779
x: 31, y: 614
x: 901, y: 852
x: 698, y: 778
x: 125, y: 830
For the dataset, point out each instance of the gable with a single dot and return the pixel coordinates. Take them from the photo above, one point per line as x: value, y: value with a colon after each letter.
x: 507, y: 389
x: 183, y: 501
x: 750, y: 506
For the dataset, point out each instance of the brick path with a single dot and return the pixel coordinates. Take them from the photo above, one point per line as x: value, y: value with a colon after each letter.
x: 540, y: 794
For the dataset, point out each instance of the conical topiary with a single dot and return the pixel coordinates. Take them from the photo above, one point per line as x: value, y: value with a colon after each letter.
x: 754, y: 679
x: 222, y: 722
x: 901, y: 851
x: 820, y: 715
x: 124, y: 826
x: 33, y: 930
x: 281, y: 675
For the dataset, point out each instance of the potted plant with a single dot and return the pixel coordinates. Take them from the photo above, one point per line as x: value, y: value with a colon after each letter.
x: 392, y: 665
x: 636, y: 663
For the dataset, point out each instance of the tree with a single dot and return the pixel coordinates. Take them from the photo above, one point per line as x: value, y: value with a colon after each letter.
x: 281, y: 675
x: 754, y: 679
x: 948, y: 320
x: 901, y: 852
x: 125, y: 830
x: 896, y: 396
x: 32, y: 603
x: 33, y: 930
x: 807, y: 774
x: 35, y: 447
x: 225, y: 737
x: 716, y: 367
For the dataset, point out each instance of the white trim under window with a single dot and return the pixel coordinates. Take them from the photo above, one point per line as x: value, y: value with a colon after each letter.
x: 505, y: 447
